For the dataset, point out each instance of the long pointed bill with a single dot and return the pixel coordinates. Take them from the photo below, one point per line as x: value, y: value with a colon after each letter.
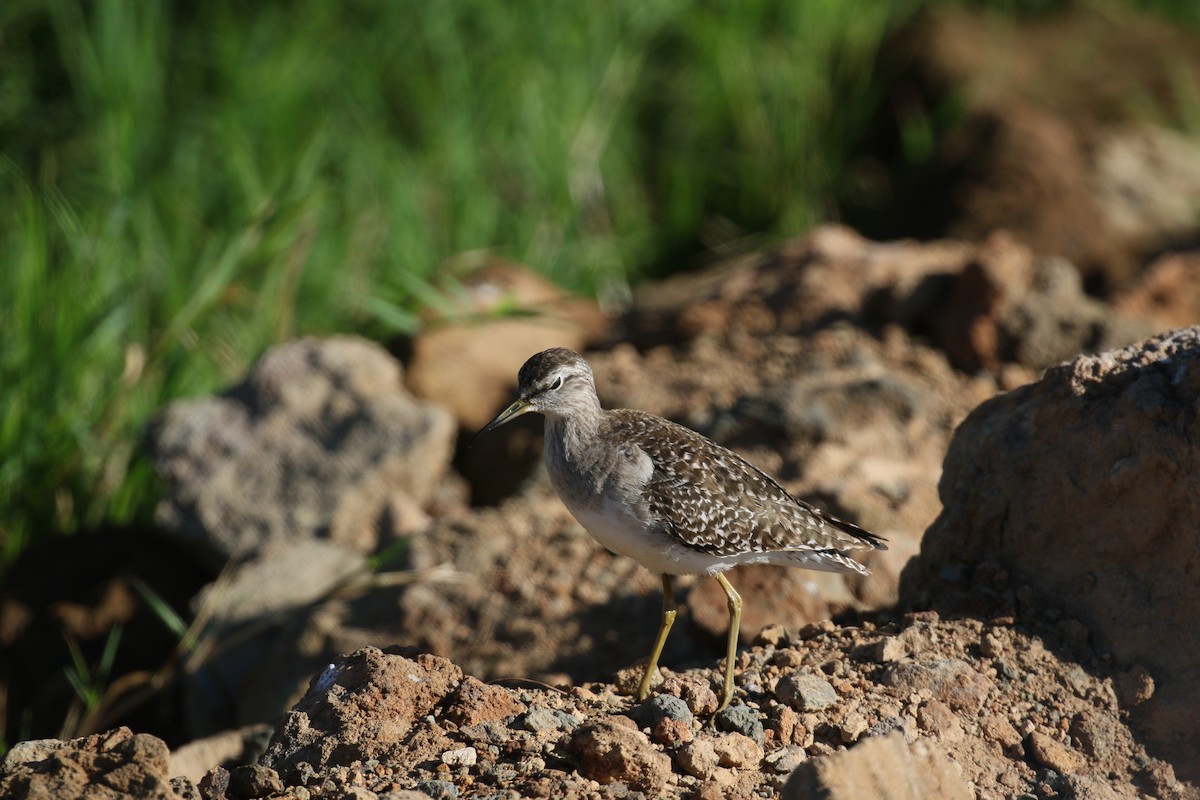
x: 512, y: 412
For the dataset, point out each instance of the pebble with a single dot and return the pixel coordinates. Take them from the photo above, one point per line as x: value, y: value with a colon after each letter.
x: 737, y: 751
x: 462, y: 757
x: 744, y: 720
x: 852, y: 727
x: 786, y: 759
x: 439, y: 790
x: 1049, y: 752
x: 805, y: 692
x: 660, y: 707
x: 254, y: 780
x: 542, y: 720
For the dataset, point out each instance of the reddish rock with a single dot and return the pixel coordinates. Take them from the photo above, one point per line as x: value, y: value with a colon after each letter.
x: 361, y: 707
x: 612, y: 749
x: 882, y: 767
x: 114, y: 764
x: 1078, y: 486
x: 1049, y: 752
x: 952, y: 681
x: 474, y: 702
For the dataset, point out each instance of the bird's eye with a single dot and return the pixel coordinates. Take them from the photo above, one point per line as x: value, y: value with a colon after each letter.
x: 558, y: 382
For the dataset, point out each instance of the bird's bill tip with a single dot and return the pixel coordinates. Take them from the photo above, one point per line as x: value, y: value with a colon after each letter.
x: 507, y: 415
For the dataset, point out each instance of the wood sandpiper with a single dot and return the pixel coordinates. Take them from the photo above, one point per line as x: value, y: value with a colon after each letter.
x: 669, y: 498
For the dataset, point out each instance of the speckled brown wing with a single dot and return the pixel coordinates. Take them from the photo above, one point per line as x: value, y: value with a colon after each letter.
x: 716, y: 502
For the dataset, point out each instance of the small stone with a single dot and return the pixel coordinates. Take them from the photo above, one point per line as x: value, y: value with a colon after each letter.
x: 215, y: 783
x: 772, y: 635
x: 936, y: 718
x: 698, y: 758
x: 475, y: 702
x: 613, y: 749
x: 786, y: 758
x: 544, y: 720
x: 1049, y: 752
x: 853, y: 726
x: 737, y: 751
x: 805, y: 692
x: 742, y: 719
x: 950, y: 680
x: 701, y: 700
x: 358, y: 793
x: 991, y: 645
x: 660, y: 707
x: 891, y: 648
x: 782, y: 722
x: 439, y: 790
x: 253, y: 780
x: 184, y: 788
x: 304, y: 773
x: 462, y: 757
x: 671, y: 732
x: 1135, y: 686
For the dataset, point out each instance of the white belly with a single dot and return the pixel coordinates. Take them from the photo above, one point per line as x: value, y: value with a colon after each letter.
x: 622, y: 533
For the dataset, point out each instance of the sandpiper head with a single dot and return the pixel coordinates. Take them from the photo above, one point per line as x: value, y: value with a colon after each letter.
x: 553, y: 382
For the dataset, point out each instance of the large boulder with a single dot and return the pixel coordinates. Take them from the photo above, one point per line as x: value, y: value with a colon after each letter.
x: 1083, y: 487
x: 321, y: 440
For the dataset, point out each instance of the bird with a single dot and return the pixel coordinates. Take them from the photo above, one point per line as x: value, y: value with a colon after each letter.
x: 668, y: 497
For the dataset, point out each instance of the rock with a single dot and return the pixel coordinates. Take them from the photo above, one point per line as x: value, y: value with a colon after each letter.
x: 228, y: 749
x: 737, y: 751
x: 544, y: 720
x: 660, y: 707
x: 852, y: 726
x: 698, y: 758
x: 215, y: 784
x: 30, y: 752
x: 185, y: 787
x: 1049, y: 752
x: 697, y: 694
x: 742, y: 719
x: 804, y: 691
x: 884, y: 767
x: 251, y: 781
x: 786, y: 758
x: 314, y: 443
x: 1050, y: 479
x: 950, y: 680
x: 461, y: 757
x: 998, y: 729
x: 474, y: 702
x: 114, y: 764
x: 1135, y: 685
x: 360, y: 707
x: 610, y: 751
x: 439, y: 790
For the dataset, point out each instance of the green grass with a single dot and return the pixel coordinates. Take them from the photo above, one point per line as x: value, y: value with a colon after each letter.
x: 183, y: 188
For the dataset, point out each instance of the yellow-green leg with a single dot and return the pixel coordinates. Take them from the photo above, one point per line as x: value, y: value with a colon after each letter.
x: 735, y: 619
x: 668, y: 619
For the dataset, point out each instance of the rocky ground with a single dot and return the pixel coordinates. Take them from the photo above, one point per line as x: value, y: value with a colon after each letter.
x: 378, y: 611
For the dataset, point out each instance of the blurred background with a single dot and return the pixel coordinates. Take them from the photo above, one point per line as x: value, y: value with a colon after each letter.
x: 184, y: 185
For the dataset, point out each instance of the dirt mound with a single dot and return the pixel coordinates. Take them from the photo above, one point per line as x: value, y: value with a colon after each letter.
x: 1083, y: 486
x: 988, y: 704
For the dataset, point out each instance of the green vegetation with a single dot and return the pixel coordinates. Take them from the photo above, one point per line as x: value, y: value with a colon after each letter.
x: 184, y: 185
